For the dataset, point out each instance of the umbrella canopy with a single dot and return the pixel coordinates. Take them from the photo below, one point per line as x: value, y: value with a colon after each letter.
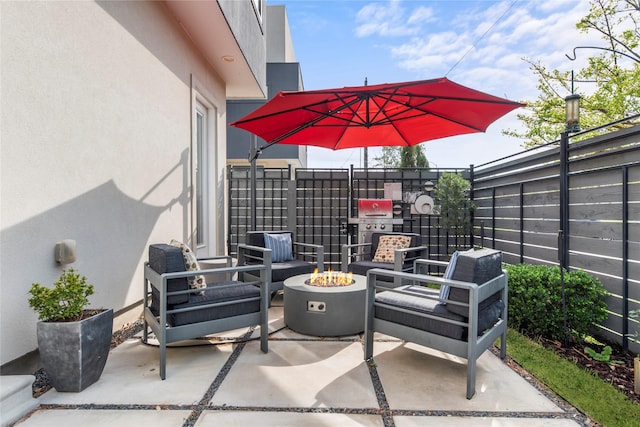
x: 392, y: 114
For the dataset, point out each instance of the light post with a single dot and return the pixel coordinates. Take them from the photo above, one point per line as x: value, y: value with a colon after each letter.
x: 572, y: 110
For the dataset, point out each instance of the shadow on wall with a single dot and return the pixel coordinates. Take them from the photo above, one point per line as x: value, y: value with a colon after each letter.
x: 112, y: 231
x: 151, y: 32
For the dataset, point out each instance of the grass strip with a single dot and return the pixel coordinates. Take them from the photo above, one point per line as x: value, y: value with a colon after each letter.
x: 598, y: 399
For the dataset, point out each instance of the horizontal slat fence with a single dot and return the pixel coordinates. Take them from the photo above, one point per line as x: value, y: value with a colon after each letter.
x: 518, y: 207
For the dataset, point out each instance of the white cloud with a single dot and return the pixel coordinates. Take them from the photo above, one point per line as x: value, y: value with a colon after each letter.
x: 390, y: 19
x: 421, y: 15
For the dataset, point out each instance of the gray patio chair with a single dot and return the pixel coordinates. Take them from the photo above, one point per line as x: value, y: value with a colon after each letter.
x: 359, y: 258
x: 288, y: 258
x: 175, y: 312
x: 464, y: 317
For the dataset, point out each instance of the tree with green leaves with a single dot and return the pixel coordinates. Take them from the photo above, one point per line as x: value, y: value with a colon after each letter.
x: 454, y: 204
x: 609, y: 85
x: 402, y: 157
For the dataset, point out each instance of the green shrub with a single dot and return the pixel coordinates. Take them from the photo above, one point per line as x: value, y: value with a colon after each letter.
x: 535, y: 301
x: 65, y: 301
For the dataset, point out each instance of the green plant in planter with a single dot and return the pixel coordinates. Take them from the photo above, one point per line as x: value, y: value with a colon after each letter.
x: 65, y: 301
x: 86, y: 333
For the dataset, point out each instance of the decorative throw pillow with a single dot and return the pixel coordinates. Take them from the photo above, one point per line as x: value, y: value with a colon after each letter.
x: 448, y: 274
x: 387, y: 246
x: 280, y: 245
x: 191, y: 264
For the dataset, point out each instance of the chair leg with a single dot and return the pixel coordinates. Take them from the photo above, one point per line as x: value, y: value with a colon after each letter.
x: 471, y: 378
x: 368, y: 344
x: 503, y: 344
x: 368, y: 324
x: 272, y: 295
x: 264, y: 331
x: 163, y: 360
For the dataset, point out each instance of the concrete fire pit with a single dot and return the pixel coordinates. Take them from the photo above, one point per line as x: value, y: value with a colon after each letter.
x: 324, y: 311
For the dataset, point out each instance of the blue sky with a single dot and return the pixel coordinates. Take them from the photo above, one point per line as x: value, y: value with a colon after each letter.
x: 477, y: 43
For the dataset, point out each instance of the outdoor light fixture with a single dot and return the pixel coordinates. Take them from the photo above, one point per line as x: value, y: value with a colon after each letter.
x: 572, y: 104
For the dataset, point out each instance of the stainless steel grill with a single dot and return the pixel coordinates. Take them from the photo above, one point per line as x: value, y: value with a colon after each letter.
x: 374, y: 215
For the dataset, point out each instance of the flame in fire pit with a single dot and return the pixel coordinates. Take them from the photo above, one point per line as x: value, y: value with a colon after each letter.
x: 330, y: 278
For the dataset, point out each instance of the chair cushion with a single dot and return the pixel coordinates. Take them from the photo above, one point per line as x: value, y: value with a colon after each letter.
x: 361, y: 267
x: 190, y: 264
x: 214, y: 293
x: 255, y: 238
x: 281, y: 246
x: 387, y: 246
x: 487, y: 317
x: 284, y: 270
x: 478, y: 266
x: 419, y: 304
x: 165, y: 258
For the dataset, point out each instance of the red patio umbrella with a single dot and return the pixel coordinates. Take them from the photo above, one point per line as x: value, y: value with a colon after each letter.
x: 391, y: 114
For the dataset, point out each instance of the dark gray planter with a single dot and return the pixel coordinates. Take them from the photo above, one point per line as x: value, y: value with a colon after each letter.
x: 73, y: 354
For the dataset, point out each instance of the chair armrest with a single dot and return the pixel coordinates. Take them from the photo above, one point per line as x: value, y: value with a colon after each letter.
x: 348, y: 255
x: 419, y: 265
x: 159, y: 281
x: 249, y: 254
x: 317, y: 252
x: 227, y: 258
x: 413, y: 278
x: 388, y: 285
x: 477, y: 293
x: 398, y: 262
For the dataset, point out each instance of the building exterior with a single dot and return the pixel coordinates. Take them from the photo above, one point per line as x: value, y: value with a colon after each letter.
x: 113, y: 134
x: 283, y: 73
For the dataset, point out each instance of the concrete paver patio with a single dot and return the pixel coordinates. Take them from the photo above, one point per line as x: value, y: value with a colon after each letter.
x: 303, y: 380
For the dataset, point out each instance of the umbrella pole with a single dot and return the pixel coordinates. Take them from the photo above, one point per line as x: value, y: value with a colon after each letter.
x: 253, y: 196
x: 365, y: 152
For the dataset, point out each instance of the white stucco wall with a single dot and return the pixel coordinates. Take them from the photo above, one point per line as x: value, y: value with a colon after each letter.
x: 95, y: 141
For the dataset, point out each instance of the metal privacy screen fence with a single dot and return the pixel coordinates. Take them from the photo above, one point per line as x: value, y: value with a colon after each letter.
x: 517, y: 205
x: 317, y: 203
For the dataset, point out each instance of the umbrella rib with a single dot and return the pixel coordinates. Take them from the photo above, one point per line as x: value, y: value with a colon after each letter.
x: 281, y: 112
x: 310, y: 123
x: 432, y: 99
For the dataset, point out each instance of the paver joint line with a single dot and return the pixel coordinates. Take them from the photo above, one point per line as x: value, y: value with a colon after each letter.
x: 211, y: 391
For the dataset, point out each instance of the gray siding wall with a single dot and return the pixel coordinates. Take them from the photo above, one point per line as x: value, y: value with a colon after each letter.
x: 248, y: 26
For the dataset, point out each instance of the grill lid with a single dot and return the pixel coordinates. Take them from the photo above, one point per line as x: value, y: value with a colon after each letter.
x: 375, y: 208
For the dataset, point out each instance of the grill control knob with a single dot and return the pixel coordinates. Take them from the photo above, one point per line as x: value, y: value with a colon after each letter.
x: 368, y: 227
x: 382, y: 226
